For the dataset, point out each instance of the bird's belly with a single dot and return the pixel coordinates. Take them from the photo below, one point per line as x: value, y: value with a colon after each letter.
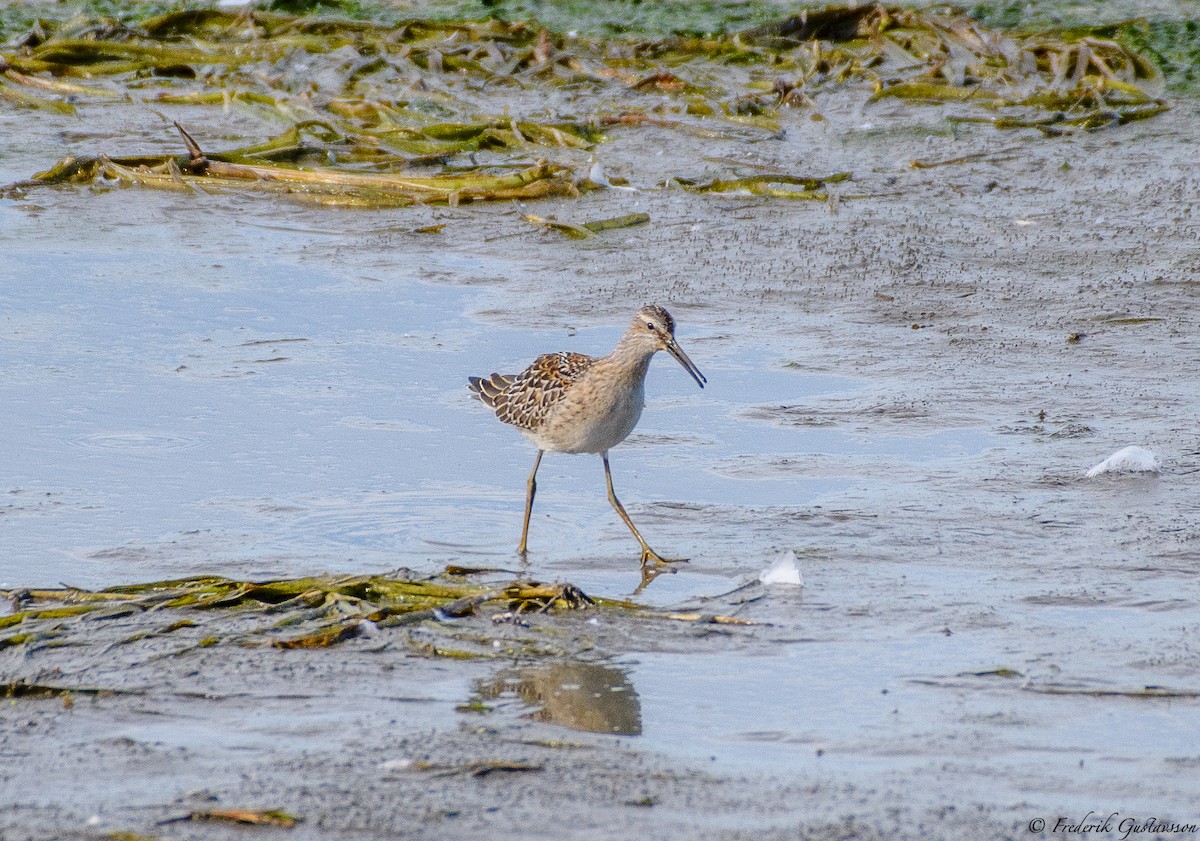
x: 590, y: 426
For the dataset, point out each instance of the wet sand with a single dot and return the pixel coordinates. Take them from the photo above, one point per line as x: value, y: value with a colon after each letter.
x: 907, y: 387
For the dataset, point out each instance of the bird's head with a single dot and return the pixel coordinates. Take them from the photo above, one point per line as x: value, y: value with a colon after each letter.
x: 655, y: 326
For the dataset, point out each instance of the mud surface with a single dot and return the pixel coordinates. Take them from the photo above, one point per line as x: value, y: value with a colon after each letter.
x: 907, y: 386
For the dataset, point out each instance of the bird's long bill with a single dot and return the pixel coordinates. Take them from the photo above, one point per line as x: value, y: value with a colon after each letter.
x: 690, y: 366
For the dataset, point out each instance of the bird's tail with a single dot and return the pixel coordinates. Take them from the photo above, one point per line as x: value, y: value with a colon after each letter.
x: 487, y: 389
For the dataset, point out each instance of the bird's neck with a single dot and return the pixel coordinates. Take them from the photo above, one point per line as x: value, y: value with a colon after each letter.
x: 632, y: 355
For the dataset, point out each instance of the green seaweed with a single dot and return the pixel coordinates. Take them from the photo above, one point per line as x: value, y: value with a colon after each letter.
x: 24, y: 689
x: 607, y: 18
x: 1174, y: 45
x: 1002, y: 671
x: 322, y: 637
x: 628, y: 221
x: 47, y: 613
x: 250, y: 817
x: 772, y: 186
x: 359, y: 143
x: 445, y: 616
x: 319, y: 184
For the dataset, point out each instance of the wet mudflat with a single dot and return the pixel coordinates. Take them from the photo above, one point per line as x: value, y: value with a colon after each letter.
x: 907, y: 386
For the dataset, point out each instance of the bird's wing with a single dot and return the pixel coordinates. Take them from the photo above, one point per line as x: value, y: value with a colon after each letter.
x: 525, y: 400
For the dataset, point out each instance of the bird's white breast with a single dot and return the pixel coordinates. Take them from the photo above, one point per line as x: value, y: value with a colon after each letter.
x: 597, y: 413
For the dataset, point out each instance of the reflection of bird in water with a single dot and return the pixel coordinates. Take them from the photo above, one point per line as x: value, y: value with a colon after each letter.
x: 571, y: 403
x: 582, y: 696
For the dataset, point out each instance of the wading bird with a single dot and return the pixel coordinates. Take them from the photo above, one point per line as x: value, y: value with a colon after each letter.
x: 572, y: 403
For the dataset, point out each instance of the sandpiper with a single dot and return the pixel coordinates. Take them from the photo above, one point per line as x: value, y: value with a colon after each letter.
x: 571, y: 403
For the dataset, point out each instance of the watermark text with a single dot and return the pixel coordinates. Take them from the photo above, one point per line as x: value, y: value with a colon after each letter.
x: 1114, y: 823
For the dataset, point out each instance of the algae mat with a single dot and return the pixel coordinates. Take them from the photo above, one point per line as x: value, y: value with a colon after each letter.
x: 364, y: 107
x: 306, y: 613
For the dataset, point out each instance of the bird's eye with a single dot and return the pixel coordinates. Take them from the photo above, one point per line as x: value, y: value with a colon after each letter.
x: 649, y: 325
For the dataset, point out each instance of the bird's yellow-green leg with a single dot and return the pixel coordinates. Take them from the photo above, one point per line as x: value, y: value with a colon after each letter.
x: 649, y: 556
x: 530, y: 490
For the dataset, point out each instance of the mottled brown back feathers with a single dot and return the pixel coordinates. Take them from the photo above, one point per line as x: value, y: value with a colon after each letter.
x: 524, y: 400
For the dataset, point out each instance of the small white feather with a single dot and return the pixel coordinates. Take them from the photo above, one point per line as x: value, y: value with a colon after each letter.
x: 783, y: 571
x: 402, y: 764
x: 1129, y: 460
x: 598, y: 176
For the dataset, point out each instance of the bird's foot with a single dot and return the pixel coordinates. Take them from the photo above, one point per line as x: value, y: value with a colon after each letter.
x: 651, y: 559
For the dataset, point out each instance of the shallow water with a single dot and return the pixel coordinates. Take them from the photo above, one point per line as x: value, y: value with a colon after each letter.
x: 284, y: 417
